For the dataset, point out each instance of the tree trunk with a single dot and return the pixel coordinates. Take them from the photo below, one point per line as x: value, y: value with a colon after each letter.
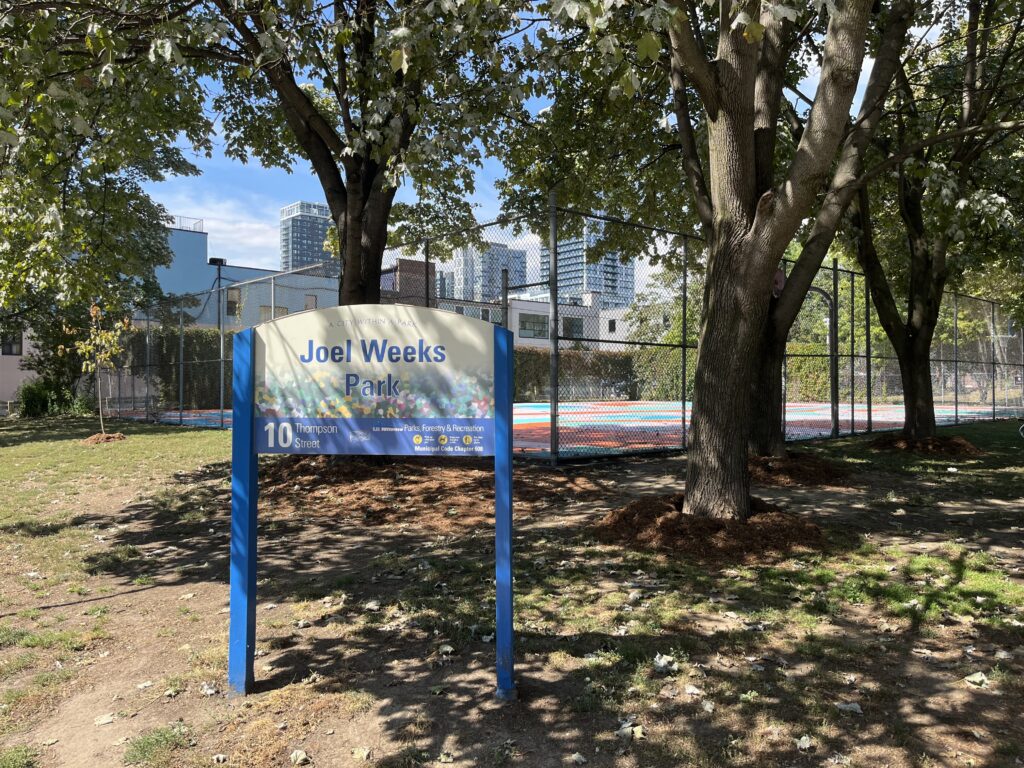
x: 717, y: 477
x: 99, y: 400
x: 767, y: 434
x: 918, y: 401
x: 363, y: 234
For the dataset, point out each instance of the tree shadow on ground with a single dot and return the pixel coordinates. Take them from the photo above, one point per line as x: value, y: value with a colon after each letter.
x: 582, y: 666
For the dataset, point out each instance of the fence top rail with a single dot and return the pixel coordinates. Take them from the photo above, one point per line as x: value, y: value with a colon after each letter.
x: 501, y: 221
x: 626, y: 222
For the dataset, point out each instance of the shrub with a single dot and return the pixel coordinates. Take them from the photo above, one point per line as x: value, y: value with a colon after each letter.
x: 34, y: 399
x: 37, y: 398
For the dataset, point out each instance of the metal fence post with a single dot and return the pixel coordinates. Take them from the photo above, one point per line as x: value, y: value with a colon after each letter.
x: 853, y: 364
x: 119, y: 374
x: 956, y: 358
x: 834, y: 349
x: 149, y: 346
x: 426, y: 273
x: 220, y: 333
x: 867, y: 348
x: 181, y: 363
x: 553, y: 299
x: 686, y: 288
x: 504, y: 298
x: 992, y: 344
x: 785, y: 360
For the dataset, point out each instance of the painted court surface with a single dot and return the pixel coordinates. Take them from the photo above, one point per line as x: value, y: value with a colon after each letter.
x: 614, y: 426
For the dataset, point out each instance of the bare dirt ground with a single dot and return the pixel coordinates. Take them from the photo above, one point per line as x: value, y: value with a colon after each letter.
x: 376, y: 616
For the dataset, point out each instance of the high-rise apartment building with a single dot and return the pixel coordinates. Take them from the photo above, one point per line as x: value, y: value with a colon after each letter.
x: 444, y: 284
x: 304, y: 227
x: 581, y: 272
x: 477, y: 274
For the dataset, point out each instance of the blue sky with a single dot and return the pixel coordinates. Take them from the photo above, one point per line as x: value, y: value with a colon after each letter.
x: 240, y: 203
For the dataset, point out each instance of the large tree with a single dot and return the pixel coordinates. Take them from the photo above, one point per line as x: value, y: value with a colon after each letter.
x: 370, y: 93
x: 727, y: 67
x: 944, y: 199
x: 766, y: 392
x: 86, y: 119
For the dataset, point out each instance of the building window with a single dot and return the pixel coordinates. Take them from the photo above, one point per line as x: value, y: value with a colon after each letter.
x: 533, y: 326
x: 234, y: 302
x: 264, y: 313
x: 572, y: 327
x: 280, y: 312
x: 310, y: 301
x: 611, y: 325
x: 485, y: 314
x: 11, y: 345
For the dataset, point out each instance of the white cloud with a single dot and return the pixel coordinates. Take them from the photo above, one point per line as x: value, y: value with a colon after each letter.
x: 245, y: 232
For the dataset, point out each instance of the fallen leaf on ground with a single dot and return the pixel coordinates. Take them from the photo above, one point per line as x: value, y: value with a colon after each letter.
x: 665, y: 664
x: 978, y: 679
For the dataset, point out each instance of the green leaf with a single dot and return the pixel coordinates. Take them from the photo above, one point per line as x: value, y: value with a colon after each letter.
x: 649, y: 47
x: 753, y: 32
x: 628, y: 83
x: 399, y: 60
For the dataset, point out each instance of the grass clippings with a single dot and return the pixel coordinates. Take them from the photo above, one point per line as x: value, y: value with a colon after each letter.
x: 659, y: 523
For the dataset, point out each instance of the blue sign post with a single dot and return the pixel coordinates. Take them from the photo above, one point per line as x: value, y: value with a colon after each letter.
x: 368, y: 380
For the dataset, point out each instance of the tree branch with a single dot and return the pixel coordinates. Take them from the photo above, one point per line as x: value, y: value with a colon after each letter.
x: 779, y: 212
x: 688, y: 56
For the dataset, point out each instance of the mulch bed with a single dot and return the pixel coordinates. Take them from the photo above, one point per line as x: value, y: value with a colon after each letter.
x: 104, y: 437
x: 796, y: 468
x: 952, y: 446
x: 438, y: 494
x: 659, y: 523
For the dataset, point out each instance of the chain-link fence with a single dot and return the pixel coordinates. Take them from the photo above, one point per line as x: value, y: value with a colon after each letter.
x: 604, y: 354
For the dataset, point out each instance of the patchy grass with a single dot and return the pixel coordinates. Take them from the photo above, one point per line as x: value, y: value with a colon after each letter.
x: 56, y: 496
x: 18, y: 757
x: 379, y: 647
x: 989, y: 474
x: 158, y: 748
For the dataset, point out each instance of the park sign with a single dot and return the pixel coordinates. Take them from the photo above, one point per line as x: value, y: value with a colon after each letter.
x: 368, y: 380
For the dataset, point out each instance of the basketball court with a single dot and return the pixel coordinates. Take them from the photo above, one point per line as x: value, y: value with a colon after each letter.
x: 610, y: 427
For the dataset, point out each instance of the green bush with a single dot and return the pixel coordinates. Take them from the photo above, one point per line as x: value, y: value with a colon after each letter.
x: 37, y: 398
x: 34, y: 399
